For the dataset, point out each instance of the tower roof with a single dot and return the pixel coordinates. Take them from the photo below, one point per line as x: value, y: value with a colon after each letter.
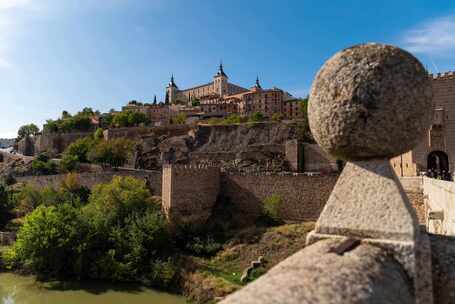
x: 172, y: 82
x: 221, y: 71
x: 257, y: 85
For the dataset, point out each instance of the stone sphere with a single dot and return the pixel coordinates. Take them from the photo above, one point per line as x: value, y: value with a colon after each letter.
x: 370, y: 101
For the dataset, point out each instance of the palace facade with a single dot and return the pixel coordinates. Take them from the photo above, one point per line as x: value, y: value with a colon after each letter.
x: 219, y: 98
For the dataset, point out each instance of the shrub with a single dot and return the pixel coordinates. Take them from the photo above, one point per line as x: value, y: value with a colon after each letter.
x: 50, y: 241
x: 79, y: 149
x: 69, y: 163
x: 40, y: 167
x: 6, y: 206
x: 180, y: 119
x: 98, y: 135
x: 111, y: 203
x: 277, y: 117
x: 203, y: 246
x: 129, y: 119
x: 256, y: 117
x: 27, y: 199
x: 113, y: 152
x: 271, y: 207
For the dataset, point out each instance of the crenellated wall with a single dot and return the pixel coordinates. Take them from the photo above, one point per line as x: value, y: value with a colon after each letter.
x: 189, y: 193
x: 89, y: 180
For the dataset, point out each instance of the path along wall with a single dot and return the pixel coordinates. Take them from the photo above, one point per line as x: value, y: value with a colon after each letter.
x: 440, y: 206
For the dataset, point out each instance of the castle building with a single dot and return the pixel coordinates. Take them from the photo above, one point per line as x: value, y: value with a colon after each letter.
x: 436, y: 150
x: 219, y: 98
x: 220, y: 86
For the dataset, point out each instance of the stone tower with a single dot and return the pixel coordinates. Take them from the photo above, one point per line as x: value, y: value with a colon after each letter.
x: 171, y: 91
x: 220, y: 82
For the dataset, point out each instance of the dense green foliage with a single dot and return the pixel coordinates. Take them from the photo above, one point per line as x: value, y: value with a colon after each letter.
x: 256, y: 117
x: 179, y: 119
x: 42, y: 165
x: 116, y: 233
x: 27, y: 130
x: 95, y: 149
x: 67, y: 123
x: 271, y: 208
x: 128, y: 119
x: 6, y: 206
x: 80, y: 148
x: 114, y: 152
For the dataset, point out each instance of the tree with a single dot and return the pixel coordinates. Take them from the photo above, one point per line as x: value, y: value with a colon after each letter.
x: 66, y: 115
x: 256, y: 117
x: 180, y: 119
x: 27, y: 130
x: 80, y: 149
x: 50, y: 241
x: 113, y: 152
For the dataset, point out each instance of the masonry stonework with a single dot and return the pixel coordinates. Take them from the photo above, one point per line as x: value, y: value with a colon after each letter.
x: 189, y: 193
x: 303, y: 197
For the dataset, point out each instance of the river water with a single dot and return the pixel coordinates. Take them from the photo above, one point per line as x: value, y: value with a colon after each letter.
x: 16, y: 289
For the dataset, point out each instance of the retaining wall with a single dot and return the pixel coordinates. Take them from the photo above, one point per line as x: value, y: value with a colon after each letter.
x: 91, y: 179
x: 440, y: 206
x: 303, y: 197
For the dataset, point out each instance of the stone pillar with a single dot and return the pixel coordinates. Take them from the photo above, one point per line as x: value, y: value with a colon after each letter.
x: 370, y: 103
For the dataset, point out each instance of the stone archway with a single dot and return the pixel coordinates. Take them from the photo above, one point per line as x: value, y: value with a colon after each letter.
x: 438, y: 162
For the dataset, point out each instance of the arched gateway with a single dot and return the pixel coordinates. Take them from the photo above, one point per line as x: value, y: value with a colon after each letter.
x: 438, y: 162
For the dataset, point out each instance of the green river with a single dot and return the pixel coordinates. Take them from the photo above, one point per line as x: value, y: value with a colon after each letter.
x: 16, y: 289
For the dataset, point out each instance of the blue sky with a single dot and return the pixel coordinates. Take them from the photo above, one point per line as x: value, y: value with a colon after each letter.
x: 60, y: 55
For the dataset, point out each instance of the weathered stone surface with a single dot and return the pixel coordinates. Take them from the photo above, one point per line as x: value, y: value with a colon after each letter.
x: 370, y: 101
x: 443, y: 259
x: 368, y: 202
x: 329, y: 272
x: 241, y: 148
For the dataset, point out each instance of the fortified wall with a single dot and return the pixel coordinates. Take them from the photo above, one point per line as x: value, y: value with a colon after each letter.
x: 437, y: 147
x: 54, y: 143
x: 189, y: 193
x: 153, y: 179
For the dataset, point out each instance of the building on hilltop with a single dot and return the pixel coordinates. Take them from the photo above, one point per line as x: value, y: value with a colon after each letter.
x: 219, y: 98
x: 436, y: 150
x: 220, y: 86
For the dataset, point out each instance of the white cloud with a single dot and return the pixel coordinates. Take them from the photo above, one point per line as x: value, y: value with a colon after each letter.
x: 10, y: 4
x: 435, y: 37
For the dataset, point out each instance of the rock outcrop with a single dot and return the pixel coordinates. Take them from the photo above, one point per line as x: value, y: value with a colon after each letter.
x: 244, y: 148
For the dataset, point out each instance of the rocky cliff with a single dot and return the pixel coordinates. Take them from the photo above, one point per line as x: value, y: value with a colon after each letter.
x: 245, y: 147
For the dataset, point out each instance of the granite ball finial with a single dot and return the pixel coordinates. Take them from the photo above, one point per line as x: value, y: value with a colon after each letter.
x: 370, y: 101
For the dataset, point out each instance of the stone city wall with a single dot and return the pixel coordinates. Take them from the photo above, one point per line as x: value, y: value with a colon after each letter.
x: 302, y: 197
x: 56, y: 143
x: 130, y: 133
x: 440, y: 206
x: 189, y: 193
x: 316, y: 159
x: 91, y: 179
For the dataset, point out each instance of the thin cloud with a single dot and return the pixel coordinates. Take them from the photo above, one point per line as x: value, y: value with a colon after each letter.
x: 434, y: 38
x: 10, y: 4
